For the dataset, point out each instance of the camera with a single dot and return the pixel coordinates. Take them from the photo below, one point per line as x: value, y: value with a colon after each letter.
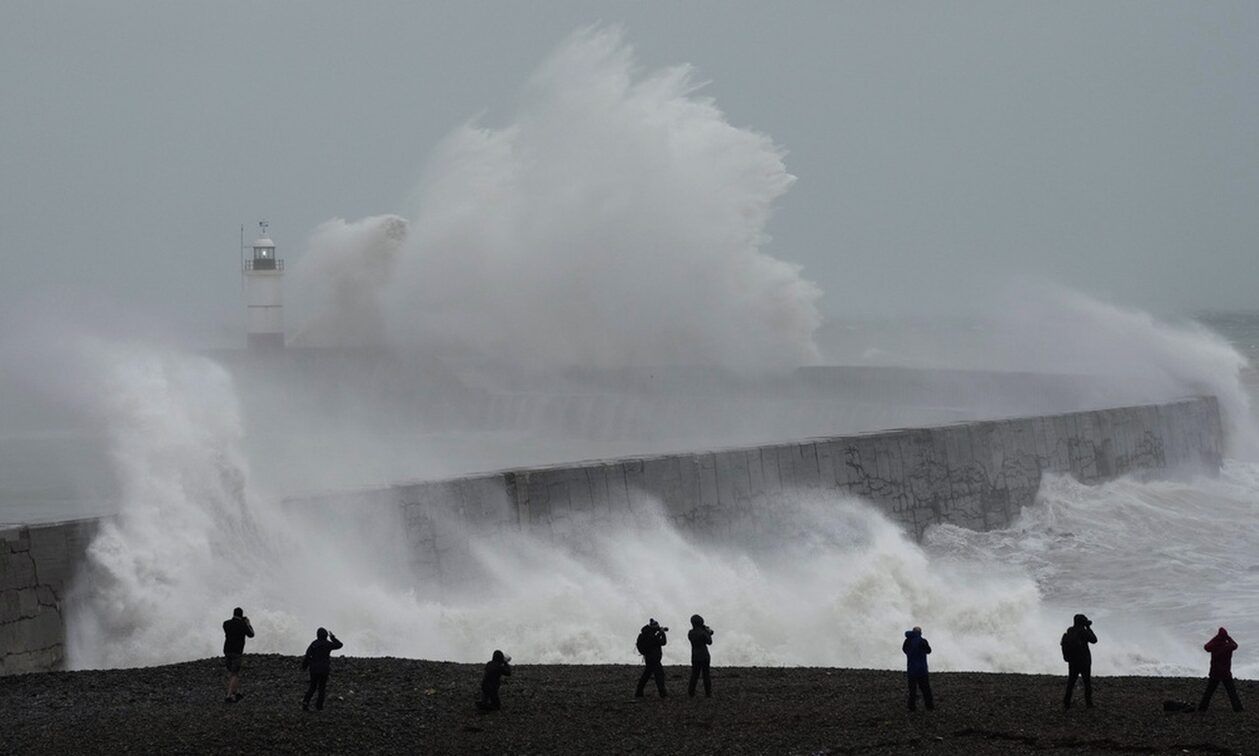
x: 657, y: 627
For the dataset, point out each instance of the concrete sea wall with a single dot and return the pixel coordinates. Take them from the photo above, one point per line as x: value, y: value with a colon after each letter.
x: 36, y: 566
x: 976, y: 475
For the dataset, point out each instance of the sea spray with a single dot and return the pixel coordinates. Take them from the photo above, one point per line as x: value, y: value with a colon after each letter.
x: 617, y: 219
x: 1051, y: 329
x: 805, y: 578
x: 185, y: 530
x: 339, y: 281
x: 806, y: 582
x: 1157, y: 564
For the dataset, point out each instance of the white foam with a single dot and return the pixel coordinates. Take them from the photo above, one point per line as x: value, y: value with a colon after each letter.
x: 617, y: 219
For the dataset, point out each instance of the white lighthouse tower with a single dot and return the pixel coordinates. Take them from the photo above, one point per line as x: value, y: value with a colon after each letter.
x: 263, y: 295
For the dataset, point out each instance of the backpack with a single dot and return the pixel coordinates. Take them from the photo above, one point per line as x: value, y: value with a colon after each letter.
x: 1071, y: 645
x: 642, y: 644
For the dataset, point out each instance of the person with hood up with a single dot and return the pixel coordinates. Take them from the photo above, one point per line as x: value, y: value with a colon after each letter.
x: 650, y: 643
x: 318, y: 660
x: 496, y: 669
x: 1221, y: 648
x: 701, y: 637
x: 1079, y: 659
x: 916, y: 649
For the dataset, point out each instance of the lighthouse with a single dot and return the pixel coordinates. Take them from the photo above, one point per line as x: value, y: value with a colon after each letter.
x: 263, y: 272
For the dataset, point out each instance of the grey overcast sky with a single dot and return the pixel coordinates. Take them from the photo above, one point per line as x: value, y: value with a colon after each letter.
x: 940, y: 147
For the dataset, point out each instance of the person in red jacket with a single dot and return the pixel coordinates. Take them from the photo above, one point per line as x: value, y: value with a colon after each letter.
x: 1221, y: 648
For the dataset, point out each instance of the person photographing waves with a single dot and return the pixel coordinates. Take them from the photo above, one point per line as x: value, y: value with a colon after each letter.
x: 235, y: 630
x: 651, y: 641
x: 701, y: 637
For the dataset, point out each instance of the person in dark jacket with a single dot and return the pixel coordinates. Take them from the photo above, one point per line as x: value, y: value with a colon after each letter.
x: 651, y: 642
x: 496, y: 669
x: 235, y: 631
x: 701, y: 637
x: 916, y: 649
x: 318, y: 660
x: 1221, y: 648
x: 1079, y: 659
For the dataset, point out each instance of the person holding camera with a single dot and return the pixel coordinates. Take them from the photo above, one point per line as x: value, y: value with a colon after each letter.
x: 651, y: 642
x: 1221, y: 648
x: 1079, y: 659
x: 318, y: 660
x: 235, y: 631
x: 916, y: 649
x: 701, y: 637
x: 496, y: 669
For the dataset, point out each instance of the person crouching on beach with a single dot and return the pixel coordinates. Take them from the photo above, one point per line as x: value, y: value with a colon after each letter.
x: 916, y: 649
x: 701, y: 637
x: 318, y: 660
x: 496, y: 669
x: 235, y: 631
x: 1079, y: 659
x: 1221, y: 648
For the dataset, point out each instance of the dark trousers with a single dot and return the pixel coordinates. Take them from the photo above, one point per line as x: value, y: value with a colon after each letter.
x: 1081, y: 671
x: 916, y: 684
x: 652, y: 668
x: 1229, y: 687
x: 489, y: 700
x: 699, y: 668
x: 318, y: 681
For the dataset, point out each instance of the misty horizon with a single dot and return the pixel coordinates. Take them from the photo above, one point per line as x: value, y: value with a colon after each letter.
x: 938, y: 154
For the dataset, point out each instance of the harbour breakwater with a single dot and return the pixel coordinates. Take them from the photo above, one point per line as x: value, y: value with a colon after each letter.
x: 976, y: 475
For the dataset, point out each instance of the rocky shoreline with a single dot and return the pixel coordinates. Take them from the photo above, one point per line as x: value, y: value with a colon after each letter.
x: 404, y: 705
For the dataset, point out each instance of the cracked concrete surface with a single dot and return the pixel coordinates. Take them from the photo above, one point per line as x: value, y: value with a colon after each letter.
x: 36, y: 564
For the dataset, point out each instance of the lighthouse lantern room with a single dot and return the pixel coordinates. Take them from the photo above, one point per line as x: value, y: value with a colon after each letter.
x: 263, y: 272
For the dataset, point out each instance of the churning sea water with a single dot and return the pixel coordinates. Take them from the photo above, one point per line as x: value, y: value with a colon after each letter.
x: 1157, y: 564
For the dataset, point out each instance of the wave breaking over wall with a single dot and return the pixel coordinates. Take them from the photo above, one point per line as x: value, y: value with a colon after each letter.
x: 617, y: 219
x: 554, y: 564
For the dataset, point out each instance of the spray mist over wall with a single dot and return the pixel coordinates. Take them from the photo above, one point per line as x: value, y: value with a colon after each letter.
x: 340, y: 280
x: 193, y: 540
x: 617, y: 220
x: 810, y: 579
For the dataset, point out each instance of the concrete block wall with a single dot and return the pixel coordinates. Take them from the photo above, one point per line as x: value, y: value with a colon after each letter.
x: 36, y: 566
x: 976, y: 475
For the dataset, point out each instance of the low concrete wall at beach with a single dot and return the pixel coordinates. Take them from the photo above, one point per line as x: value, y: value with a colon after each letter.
x: 36, y: 565
x: 975, y: 475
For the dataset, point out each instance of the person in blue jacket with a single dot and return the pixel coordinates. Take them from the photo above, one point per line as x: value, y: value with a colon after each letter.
x: 916, y: 649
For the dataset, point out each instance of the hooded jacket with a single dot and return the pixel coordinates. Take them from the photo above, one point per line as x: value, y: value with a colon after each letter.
x: 916, y: 649
x: 495, y: 669
x: 701, y: 638
x: 1221, y: 648
x: 319, y: 653
x: 1076, y: 640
